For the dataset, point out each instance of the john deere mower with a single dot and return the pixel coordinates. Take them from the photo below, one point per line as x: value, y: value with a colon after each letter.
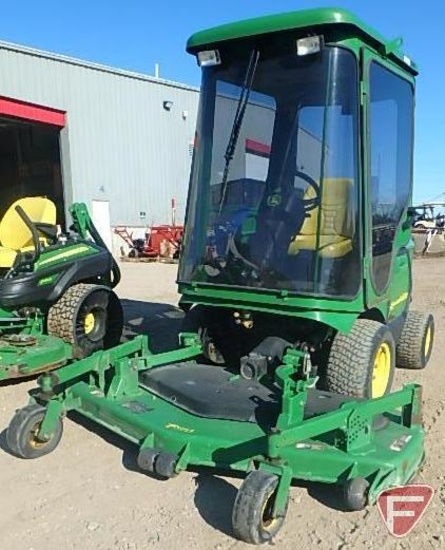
x: 56, y: 298
x: 296, y: 273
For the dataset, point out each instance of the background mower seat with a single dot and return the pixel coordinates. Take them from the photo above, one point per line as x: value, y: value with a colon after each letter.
x: 336, y: 225
x: 16, y: 237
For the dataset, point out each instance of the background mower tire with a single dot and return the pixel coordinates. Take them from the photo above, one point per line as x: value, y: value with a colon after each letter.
x: 87, y: 316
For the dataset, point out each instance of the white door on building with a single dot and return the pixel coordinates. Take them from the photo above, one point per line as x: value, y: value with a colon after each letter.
x: 102, y: 221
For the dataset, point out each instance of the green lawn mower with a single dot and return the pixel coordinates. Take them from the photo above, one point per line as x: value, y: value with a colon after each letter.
x: 56, y: 298
x: 295, y: 273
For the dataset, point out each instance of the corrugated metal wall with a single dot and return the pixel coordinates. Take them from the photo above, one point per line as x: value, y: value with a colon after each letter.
x: 120, y: 143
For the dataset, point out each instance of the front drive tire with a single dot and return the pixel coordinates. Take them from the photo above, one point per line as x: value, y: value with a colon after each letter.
x: 87, y: 316
x: 416, y: 341
x: 362, y: 362
x: 22, y: 434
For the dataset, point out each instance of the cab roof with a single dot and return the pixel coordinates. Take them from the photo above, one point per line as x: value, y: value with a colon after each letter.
x: 310, y: 19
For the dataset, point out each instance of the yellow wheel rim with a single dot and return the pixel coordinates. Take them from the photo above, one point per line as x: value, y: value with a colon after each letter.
x: 88, y: 324
x: 33, y: 440
x: 381, y: 370
x: 267, y: 522
x: 428, y: 342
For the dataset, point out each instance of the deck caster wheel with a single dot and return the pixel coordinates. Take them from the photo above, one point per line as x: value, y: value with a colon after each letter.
x: 355, y: 494
x: 22, y: 434
x: 165, y: 464
x: 252, y: 517
x: 146, y: 459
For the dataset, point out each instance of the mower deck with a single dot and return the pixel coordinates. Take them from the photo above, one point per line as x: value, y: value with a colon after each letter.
x: 199, y: 414
x: 24, y: 355
x: 180, y: 424
x: 182, y: 414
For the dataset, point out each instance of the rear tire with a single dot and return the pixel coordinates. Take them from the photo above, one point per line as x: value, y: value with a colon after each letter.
x: 362, y: 362
x: 89, y: 317
x: 22, y: 433
x: 416, y: 341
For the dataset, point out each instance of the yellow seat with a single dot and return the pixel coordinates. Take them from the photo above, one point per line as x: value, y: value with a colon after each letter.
x: 335, y: 229
x: 15, y: 235
x: 7, y: 256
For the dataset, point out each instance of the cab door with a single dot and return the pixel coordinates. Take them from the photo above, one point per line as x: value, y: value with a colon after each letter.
x: 388, y: 109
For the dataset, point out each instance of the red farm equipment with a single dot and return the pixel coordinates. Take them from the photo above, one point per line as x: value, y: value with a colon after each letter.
x: 160, y: 241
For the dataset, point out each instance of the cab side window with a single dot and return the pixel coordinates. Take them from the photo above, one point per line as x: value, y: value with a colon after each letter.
x: 391, y: 142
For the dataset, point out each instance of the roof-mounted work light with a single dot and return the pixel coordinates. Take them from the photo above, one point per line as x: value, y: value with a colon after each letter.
x: 208, y: 58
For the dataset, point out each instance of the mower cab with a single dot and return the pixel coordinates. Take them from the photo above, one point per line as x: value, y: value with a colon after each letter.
x: 297, y: 223
x: 47, y: 278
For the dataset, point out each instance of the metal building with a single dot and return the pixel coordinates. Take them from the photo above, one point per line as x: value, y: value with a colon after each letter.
x: 75, y: 131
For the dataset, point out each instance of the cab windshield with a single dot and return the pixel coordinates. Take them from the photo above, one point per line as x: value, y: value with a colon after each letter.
x: 273, y: 201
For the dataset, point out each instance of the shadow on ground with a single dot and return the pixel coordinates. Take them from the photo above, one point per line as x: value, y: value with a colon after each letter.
x: 215, y: 497
x: 129, y: 449
x: 328, y: 494
x: 15, y: 381
x: 214, y: 500
x: 161, y: 322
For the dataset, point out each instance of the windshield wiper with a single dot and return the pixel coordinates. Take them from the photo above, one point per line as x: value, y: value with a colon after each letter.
x: 238, y: 121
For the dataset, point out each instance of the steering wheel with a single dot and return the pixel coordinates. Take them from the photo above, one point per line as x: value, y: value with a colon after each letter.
x: 311, y: 203
x: 286, y: 215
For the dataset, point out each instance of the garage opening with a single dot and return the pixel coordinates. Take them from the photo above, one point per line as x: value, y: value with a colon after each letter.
x: 30, y: 156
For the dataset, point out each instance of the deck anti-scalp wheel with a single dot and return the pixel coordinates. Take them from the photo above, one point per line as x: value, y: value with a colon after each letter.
x: 165, y: 464
x: 87, y: 316
x: 362, y: 362
x: 158, y: 462
x: 355, y: 494
x: 252, y: 516
x: 146, y: 459
x: 22, y: 434
x: 416, y: 341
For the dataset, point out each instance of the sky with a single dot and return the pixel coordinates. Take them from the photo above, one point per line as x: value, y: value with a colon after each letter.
x: 136, y: 34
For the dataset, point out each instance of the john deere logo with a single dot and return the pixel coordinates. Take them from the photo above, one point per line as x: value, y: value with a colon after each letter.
x: 274, y: 200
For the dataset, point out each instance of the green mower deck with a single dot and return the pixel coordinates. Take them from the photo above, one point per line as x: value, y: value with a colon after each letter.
x: 24, y: 355
x: 180, y: 415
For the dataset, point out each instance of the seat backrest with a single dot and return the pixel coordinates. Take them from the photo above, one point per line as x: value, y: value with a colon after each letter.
x: 14, y: 233
x: 333, y: 209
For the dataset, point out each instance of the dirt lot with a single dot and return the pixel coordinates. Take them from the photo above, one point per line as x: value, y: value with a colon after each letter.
x: 90, y: 495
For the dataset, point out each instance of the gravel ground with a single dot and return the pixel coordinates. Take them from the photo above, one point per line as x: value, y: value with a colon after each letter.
x: 89, y: 494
